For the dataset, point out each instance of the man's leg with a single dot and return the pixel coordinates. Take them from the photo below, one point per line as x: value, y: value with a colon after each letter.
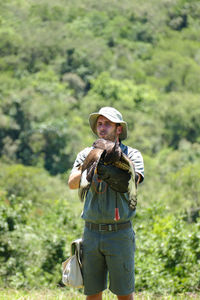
x: 95, y: 297
x: 127, y: 297
x: 120, y: 248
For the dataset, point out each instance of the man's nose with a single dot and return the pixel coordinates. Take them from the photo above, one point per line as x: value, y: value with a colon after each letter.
x: 102, y: 126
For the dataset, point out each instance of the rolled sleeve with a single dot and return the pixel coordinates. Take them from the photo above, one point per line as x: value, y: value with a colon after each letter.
x: 137, y: 159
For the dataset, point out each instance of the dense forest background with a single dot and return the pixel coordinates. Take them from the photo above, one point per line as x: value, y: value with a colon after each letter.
x: 60, y: 61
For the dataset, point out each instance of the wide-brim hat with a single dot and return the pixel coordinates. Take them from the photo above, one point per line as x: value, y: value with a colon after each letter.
x: 111, y: 114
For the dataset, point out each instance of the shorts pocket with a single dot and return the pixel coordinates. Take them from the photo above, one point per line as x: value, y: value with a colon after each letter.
x: 128, y: 267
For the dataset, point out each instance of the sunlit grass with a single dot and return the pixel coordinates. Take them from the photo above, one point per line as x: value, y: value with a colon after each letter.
x: 62, y: 293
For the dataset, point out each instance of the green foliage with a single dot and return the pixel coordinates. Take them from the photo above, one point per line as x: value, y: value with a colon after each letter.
x: 59, y: 62
x: 66, y: 60
x: 173, y: 178
x: 181, y: 117
x: 38, y: 221
x: 167, y: 256
x: 169, y: 71
x: 37, y: 136
x: 185, y: 189
x: 36, y: 225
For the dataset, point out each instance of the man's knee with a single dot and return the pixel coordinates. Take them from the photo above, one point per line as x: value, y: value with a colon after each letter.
x: 95, y: 297
x: 126, y: 297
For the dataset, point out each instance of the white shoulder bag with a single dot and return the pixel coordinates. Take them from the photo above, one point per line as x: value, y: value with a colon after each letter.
x: 72, y: 274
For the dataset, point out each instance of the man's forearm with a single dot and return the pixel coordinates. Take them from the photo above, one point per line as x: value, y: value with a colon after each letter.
x: 74, y: 180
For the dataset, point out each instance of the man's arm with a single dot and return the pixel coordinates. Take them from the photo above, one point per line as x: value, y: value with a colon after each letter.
x: 74, y: 180
x: 137, y: 160
x: 75, y: 175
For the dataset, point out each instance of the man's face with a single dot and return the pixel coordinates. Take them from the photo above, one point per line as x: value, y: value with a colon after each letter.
x: 106, y: 129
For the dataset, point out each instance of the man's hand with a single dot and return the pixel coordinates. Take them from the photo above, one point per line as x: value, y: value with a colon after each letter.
x: 112, y: 151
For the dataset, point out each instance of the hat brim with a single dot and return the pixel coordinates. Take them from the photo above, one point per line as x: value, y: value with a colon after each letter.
x: 93, y: 120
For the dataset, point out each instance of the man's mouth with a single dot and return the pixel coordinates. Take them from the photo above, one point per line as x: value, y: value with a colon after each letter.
x: 103, y: 133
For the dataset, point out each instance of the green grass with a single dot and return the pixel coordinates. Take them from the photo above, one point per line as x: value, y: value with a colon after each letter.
x: 66, y: 294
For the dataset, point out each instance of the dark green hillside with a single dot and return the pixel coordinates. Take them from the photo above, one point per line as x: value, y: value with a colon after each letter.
x: 61, y: 60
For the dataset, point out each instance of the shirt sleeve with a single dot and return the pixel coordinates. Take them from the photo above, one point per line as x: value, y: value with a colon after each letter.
x: 137, y: 159
x: 80, y: 159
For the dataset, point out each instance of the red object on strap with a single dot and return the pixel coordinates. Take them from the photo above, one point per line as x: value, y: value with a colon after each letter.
x: 117, y: 216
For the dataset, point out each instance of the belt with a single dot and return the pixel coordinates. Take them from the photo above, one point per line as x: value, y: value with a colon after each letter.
x: 108, y: 227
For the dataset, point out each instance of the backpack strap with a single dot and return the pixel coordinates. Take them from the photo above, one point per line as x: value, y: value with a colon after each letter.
x: 125, y: 150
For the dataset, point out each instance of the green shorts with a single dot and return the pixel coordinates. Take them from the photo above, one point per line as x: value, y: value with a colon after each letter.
x: 108, y: 253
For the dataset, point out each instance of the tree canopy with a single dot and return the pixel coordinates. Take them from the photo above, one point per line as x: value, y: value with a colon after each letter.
x: 62, y: 60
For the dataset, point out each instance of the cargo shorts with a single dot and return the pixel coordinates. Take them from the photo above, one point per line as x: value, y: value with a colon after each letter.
x: 108, y: 256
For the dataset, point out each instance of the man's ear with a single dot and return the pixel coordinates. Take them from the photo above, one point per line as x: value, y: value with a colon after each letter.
x: 119, y: 129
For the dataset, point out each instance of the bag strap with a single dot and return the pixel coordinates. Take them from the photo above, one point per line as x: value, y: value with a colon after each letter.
x: 76, y: 249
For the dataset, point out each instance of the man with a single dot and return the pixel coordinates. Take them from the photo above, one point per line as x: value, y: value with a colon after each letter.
x: 108, y: 243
